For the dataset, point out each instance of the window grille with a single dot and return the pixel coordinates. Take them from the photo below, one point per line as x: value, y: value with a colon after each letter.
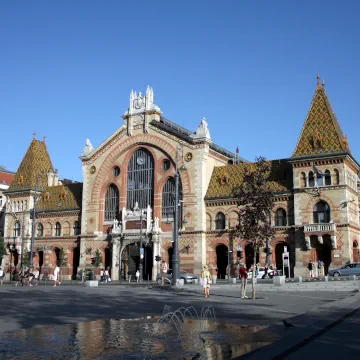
x: 280, y: 217
x: 76, y: 228
x: 112, y: 203
x: 140, y: 186
x: 57, y: 229
x: 17, y: 229
x: 40, y: 230
x: 220, y: 221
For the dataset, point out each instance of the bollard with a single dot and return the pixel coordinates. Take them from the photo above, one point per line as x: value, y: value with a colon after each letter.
x: 214, y: 279
x: 201, y: 281
x: 180, y: 282
x: 326, y: 278
x: 233, y: 280
x: 353, y: 277
x: 299, y: 279
x: 279, y: 280
x: 196, y: 281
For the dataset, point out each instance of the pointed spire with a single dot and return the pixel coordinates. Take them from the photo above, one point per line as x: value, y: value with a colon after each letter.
x: 34, y: 136
x: 237, y: 150
x: 323, y: 84
x: 44, y: 140
x: 318, y: 80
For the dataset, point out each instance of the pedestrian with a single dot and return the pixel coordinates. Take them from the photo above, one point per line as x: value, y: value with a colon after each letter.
x: 102, y: 275
x: 36, y: 276
x: 320, y: 268
x: 310, y: 267
x: 164, y: 269
x: 266, y: 270
x: 106, y: 275
x: 205, y: 275
x: 2, y: 274
x: 18, y: 276
x: 137, y: 275
x: 129, y: 276
x: 243, y: 274
x: 56, y: 276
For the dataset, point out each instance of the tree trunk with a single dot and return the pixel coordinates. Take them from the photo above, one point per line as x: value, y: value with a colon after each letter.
x: 253, y: 296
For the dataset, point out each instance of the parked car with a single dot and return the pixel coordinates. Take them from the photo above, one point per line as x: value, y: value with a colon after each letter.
x: 187, y: 277
x: 346, y: 270
x: 261, y: 273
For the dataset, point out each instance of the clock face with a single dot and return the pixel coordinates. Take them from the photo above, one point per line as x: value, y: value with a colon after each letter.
x: 140, y: 160
x: 188, y: 156
x: 92, y: 170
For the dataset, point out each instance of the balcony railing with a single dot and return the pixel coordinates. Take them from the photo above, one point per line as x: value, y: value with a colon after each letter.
x: 320, y: 228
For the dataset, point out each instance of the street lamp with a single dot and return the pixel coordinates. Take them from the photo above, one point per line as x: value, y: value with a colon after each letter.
x: 33, y: 222
x: 141, y: 269
x: 229, y: 267
x: 176, y: 257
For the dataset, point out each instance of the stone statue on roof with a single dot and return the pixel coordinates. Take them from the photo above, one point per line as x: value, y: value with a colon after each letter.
x: 202, y: 131
x: 88, y: 148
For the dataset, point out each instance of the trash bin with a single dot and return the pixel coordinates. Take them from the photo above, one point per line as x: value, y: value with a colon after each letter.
x: 233, y: 280
x: 214, y: 279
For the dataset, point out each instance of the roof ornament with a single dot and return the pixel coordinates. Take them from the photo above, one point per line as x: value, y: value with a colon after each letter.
x: 140, y: 103
x: 44, y: 140
x: 323, y: 84
x: 34, y: 136
x: 203, y: 131
x: 318, y: 80
x: 88, y: 148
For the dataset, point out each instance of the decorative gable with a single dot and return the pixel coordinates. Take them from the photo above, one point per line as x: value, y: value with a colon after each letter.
x: 321, y: 132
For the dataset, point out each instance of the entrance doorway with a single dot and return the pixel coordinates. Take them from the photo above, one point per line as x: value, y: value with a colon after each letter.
x: 148, y: 262
x: 107, y: 258
x: 76, y: 262
x: 221, y: 260
x: 249, y: 256
x: 170, y: 254
x: 323, y: 253
x: 41, y: 260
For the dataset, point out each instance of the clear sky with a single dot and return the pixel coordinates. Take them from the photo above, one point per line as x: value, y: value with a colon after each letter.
x: 249, y: 67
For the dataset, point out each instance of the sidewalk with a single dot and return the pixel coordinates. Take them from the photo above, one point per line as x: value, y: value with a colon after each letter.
x: 330, y: 331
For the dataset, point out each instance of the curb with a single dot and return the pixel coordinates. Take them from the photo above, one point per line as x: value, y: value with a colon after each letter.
x: 309, y: 326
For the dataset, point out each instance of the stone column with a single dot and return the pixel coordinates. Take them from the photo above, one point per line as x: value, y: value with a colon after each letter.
x: 115, y: 261
x: 333, y: 242
x: 156, y: 252
x: 320, y: 239
x: 307, y: 243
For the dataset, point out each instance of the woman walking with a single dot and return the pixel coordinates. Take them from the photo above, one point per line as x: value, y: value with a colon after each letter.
x: 205, y: 275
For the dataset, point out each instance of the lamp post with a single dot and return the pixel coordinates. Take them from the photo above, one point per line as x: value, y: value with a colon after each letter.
x: 12, y: 250
x: 176, y: 256
x: 141, y: 270
x: 229, y: 266
x: 33, y: 224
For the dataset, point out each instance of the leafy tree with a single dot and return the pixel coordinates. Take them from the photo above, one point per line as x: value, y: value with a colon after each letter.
x: 97, y: 260
x: 62, y: 258
x: 255, y: 201
x: 26, y: 258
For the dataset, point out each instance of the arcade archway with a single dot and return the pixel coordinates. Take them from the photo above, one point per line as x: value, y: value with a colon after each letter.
x: 249, y: 256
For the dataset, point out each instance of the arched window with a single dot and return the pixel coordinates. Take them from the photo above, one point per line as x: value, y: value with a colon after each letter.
x: 66, y: 228
x: 303, y: 180
x: 57, y: 229
x: 76, y: 228
x: 48, y: 229
x: 220, y: 221
x: 311, y: 179
x: 327, y: 177
x: 320, y: 179
x: 16, y: 229
x: 111, y: 203
x: 40, y: 230
x: 321, y: 213
x: 140, y: 187
x: 336, y: 177
x: 280, y: 217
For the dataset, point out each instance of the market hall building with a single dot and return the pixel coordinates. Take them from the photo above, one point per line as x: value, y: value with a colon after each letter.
x: 128, y: 193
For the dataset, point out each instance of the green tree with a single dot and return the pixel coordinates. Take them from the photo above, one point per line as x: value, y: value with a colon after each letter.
x: 26, y: 258
x: 97, y: 259
x: 62, y: 258
x: 255, y: 201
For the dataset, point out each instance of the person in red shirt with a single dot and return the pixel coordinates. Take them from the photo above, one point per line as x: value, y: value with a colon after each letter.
x: 243, y: 277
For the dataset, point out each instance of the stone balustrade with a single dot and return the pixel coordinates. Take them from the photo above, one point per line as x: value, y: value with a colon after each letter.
x: 313, y: 228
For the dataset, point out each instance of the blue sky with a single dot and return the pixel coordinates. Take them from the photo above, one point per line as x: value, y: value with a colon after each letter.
x: 249, y: 67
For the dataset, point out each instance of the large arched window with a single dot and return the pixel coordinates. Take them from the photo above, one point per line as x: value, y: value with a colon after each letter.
x: 327, y: 177
x: 16, y: 229
x: 220, y: 221
x: 280, y: 217
x: 76, y: 228
x: 111, y: 203
x: 40, y: 230
x: 321, y: 213
x: 140, y: 187
x: 311, y: 179
x: 57, y: 229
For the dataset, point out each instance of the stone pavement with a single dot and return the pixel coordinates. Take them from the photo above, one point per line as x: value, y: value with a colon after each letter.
x: 39, y: 306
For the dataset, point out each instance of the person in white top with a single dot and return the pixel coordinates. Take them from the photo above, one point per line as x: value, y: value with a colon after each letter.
x: 164, y: 269
x: 137, y: 275
x: 106, y: 275
x: 2, y: 274
x: 102, y: 275
x: 56, y: 276
x: 36, y: 274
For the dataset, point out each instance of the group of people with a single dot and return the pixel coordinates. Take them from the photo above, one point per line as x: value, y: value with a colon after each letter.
x: 105, y: 276
x: 319, y: 265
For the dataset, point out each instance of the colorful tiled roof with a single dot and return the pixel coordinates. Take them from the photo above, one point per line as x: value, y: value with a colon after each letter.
x: 35, y: 162
x: 225, y: 178
x: 6, y: 177
x: 321, y: 132
x: 61, y: 198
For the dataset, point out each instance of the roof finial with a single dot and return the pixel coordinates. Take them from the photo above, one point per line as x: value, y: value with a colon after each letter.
x: 323, y: 83
x: 34, y: 136
x: 237, y: 149
x: 44, y: 140
x: 318, y: 79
